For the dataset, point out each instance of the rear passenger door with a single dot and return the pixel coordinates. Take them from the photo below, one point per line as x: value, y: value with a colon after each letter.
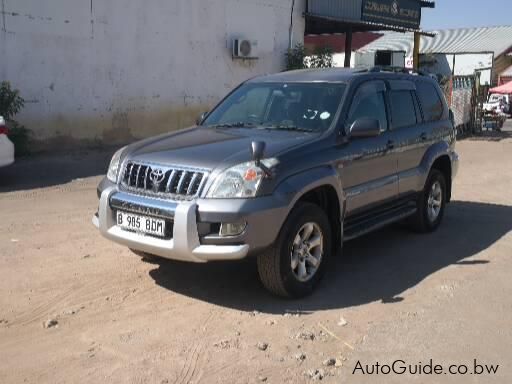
x: 413, y: 134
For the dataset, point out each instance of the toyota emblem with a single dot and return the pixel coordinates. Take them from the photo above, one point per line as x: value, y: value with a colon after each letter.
x: 157, y: 175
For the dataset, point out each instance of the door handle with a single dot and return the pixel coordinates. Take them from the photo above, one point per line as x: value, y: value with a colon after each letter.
x: 390, y: 144
x: 423, y: 136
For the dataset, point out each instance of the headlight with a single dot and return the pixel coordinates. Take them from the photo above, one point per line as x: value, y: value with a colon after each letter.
x: 240, y: 181
x: 113, y: 169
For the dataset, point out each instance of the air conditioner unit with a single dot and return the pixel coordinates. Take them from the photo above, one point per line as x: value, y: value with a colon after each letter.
x: 245, y: 49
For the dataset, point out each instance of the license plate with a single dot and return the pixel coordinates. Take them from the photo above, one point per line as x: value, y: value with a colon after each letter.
x: 141, y: 224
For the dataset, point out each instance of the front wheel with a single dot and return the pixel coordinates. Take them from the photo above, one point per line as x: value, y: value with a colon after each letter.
x: 431, y: 203
x: 295, y: 264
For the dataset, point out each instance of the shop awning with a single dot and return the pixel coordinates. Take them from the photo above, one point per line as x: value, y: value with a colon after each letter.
x: 320, y: 24
x: 342, y: 16
x: 505, y: 89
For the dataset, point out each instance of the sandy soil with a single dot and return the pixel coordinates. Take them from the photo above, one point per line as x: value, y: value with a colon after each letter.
x: 119, y: 319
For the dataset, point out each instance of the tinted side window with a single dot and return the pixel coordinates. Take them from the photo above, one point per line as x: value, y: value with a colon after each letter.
x: 403, y: 113
x: 431, y: 104
x: 369, y: 102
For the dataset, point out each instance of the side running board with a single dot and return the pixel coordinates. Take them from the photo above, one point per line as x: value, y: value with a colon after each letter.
x: 362, y: 224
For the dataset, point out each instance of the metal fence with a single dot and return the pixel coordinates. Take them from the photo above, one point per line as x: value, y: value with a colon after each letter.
x: 462, y: 103
x: 465, y: 96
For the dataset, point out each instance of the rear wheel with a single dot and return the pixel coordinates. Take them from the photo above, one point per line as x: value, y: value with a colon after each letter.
x: 431, y: 203
x: 295, y: 264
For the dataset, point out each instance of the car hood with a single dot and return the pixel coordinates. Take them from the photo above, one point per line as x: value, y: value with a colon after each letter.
x: 209, y: 148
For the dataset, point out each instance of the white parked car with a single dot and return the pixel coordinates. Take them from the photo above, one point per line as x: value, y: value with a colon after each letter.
x: 6, y: 146
x: 497, y: 103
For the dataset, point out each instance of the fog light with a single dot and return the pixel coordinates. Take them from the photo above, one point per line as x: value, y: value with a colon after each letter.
x: 232, y: 229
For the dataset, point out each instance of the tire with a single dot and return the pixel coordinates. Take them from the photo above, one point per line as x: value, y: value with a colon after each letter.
x: 275, y: 265
x: 422, y: 221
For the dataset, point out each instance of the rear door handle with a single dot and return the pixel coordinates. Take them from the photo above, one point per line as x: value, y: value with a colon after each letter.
x: 390, y: 144
x: 423, y: 136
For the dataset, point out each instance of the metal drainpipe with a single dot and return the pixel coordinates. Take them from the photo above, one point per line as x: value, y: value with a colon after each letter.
x: 290, y: 42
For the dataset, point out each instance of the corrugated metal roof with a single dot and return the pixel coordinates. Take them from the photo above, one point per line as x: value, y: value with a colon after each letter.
x: 497, y: 40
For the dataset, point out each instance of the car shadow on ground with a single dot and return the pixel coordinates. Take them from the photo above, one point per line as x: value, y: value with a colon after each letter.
x: 378, y: 267
x: 50, y: 169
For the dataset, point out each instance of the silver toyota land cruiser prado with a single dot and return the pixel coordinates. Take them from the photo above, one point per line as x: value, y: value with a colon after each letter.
x: 286, y: 168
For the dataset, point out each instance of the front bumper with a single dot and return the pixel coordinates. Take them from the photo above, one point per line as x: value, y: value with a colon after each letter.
x: 263, y: 218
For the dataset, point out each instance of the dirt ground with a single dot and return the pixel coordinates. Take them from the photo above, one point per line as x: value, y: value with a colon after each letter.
x: 76, y: 308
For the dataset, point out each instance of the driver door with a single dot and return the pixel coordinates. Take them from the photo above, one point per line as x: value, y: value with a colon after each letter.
x: 369, y: 166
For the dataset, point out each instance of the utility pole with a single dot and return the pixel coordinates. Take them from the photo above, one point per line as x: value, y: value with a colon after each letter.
x: 416, y: 51
x: 348, y: 47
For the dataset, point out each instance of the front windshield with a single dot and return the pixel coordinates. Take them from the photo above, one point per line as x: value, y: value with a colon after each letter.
x: 307, y: 107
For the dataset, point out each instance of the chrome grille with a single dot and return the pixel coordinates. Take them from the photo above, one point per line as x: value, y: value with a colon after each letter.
x: 166, y: 182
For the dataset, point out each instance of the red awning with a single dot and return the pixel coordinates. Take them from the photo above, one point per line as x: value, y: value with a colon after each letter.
x: 505, y: 89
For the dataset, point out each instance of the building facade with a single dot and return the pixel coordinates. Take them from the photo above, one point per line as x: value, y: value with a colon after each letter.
x: 505, y: 76
x: 112, y: 71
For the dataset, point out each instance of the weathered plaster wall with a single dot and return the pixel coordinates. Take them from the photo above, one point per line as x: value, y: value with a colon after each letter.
x: 115, y: 70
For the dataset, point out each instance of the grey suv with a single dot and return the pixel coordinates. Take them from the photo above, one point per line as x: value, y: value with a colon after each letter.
x: 286, y: 168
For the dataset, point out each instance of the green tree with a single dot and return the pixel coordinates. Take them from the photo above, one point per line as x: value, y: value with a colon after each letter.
x: 11, y: 103
x: 322, y: 58
x: 297, y: 58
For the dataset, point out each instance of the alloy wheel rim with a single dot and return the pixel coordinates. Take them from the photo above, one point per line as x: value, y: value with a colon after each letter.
x: 307, y: 251
x: 434, y: 202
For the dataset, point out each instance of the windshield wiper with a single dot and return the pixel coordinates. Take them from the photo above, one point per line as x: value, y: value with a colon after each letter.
x: 289, y: 128
x: 238, y: 124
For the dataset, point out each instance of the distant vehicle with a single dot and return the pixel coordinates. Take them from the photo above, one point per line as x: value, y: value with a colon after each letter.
x: 498, y: 103
x: 286, y: 168
x: 6, y: 146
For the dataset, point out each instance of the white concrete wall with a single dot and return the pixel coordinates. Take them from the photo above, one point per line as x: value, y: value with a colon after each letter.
x: 115, y: 70
x: 339, y: 59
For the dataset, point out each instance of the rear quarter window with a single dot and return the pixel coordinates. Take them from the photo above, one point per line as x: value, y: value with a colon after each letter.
x: 431, y: 103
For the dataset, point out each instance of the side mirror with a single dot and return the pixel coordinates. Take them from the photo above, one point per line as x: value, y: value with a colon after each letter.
x: 258, y: 152
x: 200, y: 119
x: 365, y: 127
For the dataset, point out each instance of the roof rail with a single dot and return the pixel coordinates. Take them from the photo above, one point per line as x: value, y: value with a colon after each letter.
x: 381, y: 68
